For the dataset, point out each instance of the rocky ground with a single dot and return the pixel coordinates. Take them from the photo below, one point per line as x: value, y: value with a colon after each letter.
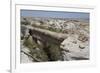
x: 74, y: 47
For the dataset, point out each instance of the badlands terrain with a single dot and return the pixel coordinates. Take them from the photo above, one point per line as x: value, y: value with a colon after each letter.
x: 54, y: 39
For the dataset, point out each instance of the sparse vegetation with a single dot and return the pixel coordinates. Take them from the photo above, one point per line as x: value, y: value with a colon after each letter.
x: 43, y: 50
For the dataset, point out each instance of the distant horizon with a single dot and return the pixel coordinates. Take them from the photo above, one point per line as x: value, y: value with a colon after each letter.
x: 54, y: 14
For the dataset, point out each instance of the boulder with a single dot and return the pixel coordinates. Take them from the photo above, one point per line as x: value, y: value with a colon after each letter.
x: 73, y: 49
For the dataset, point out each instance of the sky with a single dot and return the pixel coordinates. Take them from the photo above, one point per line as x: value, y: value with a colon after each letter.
x: 54, y: 14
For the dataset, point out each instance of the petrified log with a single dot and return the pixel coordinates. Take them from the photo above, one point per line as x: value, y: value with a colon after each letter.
x: 46, y: 35
x: 50, y: 40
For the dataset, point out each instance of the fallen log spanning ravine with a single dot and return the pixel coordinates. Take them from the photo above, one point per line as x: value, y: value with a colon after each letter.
x: 50, y: 40
x: 46, y: 35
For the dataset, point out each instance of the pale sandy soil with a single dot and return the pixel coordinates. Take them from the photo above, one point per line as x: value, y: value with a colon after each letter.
x: 74, y: 47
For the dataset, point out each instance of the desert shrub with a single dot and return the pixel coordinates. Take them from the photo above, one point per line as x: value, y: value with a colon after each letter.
x: 36, y: 52
x: 25, y: 23
x: 53, y: 52
x: 30, y: 43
